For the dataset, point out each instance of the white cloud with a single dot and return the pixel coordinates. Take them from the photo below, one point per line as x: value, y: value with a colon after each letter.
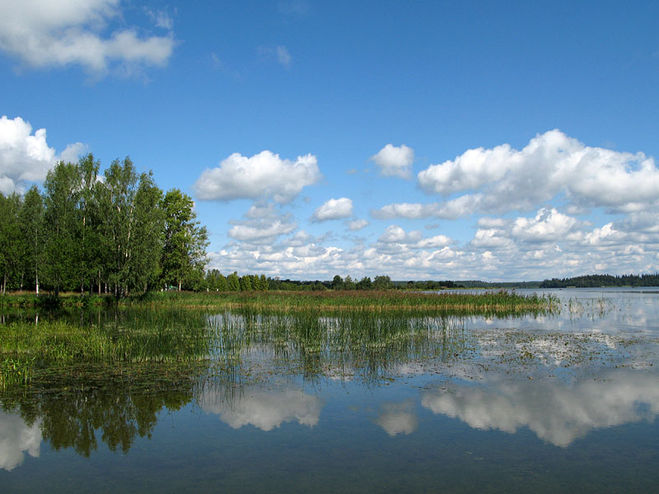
x: 26, y: 157
x: 505, y: 179
x: 395, y: 234
x: 404, y: 210
x: 263, y: 224
x: 356, y: 225
x: 160, y: 18
x: 48, y: 33
x: 434, y: 242
x: 334, y: 209
x: 452, y: 209
x: 16, y: 437
x: 268, y: 230
x: 555, y: 412
x: 394, y: 161
x: 265, y: 410
x: 262, y: 176
x: 283, y: 56
x: 548, y: 225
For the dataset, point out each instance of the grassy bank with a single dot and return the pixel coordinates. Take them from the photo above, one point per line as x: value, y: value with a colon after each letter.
x: 488, y: 301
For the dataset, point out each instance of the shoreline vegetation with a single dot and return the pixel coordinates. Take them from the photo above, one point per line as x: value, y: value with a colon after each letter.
x: 172, y: 331
x: 285, y: 300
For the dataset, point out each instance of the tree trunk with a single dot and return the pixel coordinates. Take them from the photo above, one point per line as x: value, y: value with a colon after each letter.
x: 37, y: 283
x: 179, y: 285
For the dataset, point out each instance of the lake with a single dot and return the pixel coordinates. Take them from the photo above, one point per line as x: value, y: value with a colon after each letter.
x: 354, y: 403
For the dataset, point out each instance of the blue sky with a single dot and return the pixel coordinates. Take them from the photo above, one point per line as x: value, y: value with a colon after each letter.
x: 443, y: 140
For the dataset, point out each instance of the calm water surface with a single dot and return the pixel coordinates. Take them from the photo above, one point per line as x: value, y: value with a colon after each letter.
x: 565, y: 402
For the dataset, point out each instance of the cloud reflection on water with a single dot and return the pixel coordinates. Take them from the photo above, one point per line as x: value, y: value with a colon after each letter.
x: 556, y: 412
x: 397, y: 418
x: 264, y: 409
x: 16, y: 437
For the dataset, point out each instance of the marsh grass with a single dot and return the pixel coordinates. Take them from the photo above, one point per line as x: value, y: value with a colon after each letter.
x: 486, y: 303
x: 314, y: 334
x: 31, y: 349
x: 338, y: 344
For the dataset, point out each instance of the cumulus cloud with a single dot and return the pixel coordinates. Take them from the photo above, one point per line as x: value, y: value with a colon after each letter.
x: 504, y: 179
x: 555, y: 412
x: 453, y: 209
x: 265, y: 410
x: 267, y: 230
x: 25, y: 156
x: 394, y: 161
x: 16, y: 438
x: 434, y: 242
x: 334, y: 209
x: 405, y: 210
x: 548, y: 225
x: 51, y: 33
x: 397, y: 418
x: 262, y: 176
x: 263, y: 224
x: 356, y: 225
x: 395, y: 234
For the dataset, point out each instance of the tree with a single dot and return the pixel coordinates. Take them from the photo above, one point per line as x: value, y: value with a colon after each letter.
x: 337, y: 283
x: 146, y: 243
x: 11, y: 249
x: 93, y: 251
x: 246, y: 283
x: 233, y: 282
x: 382, y: 283
x: 184, y: 252
x: 33, y: 235
x: 364, y: 284
x: 62, y: 186
x: 119, y: 204
x: 348, y: 284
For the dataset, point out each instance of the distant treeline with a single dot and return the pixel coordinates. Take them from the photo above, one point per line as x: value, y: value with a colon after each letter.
x: 598, y: 280
x: 113, y: 233
x: 216, y: 281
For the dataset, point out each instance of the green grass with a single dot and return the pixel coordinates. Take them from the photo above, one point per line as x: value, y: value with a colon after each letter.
x: 28, y: 349
x: 488, y: 302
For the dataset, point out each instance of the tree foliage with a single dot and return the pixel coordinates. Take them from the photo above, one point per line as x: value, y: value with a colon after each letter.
x: 116, y: 234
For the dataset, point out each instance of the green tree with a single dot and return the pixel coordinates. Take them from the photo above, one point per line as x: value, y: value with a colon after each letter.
x: 246, y: 283
x: 233, y: 282
x: 89, y: 214
x: 382, y: 283
x: 184, y: 253
x: 348, y: 284
x: 337, y: 283
x: 62, y: 186
x: 11, y: 248
x: 33, y: 235
x: 119, y: 202
x: 364, y: 284
x: 147, y: 241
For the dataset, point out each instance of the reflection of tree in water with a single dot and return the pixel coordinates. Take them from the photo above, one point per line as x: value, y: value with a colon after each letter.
x: 116, y: 409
